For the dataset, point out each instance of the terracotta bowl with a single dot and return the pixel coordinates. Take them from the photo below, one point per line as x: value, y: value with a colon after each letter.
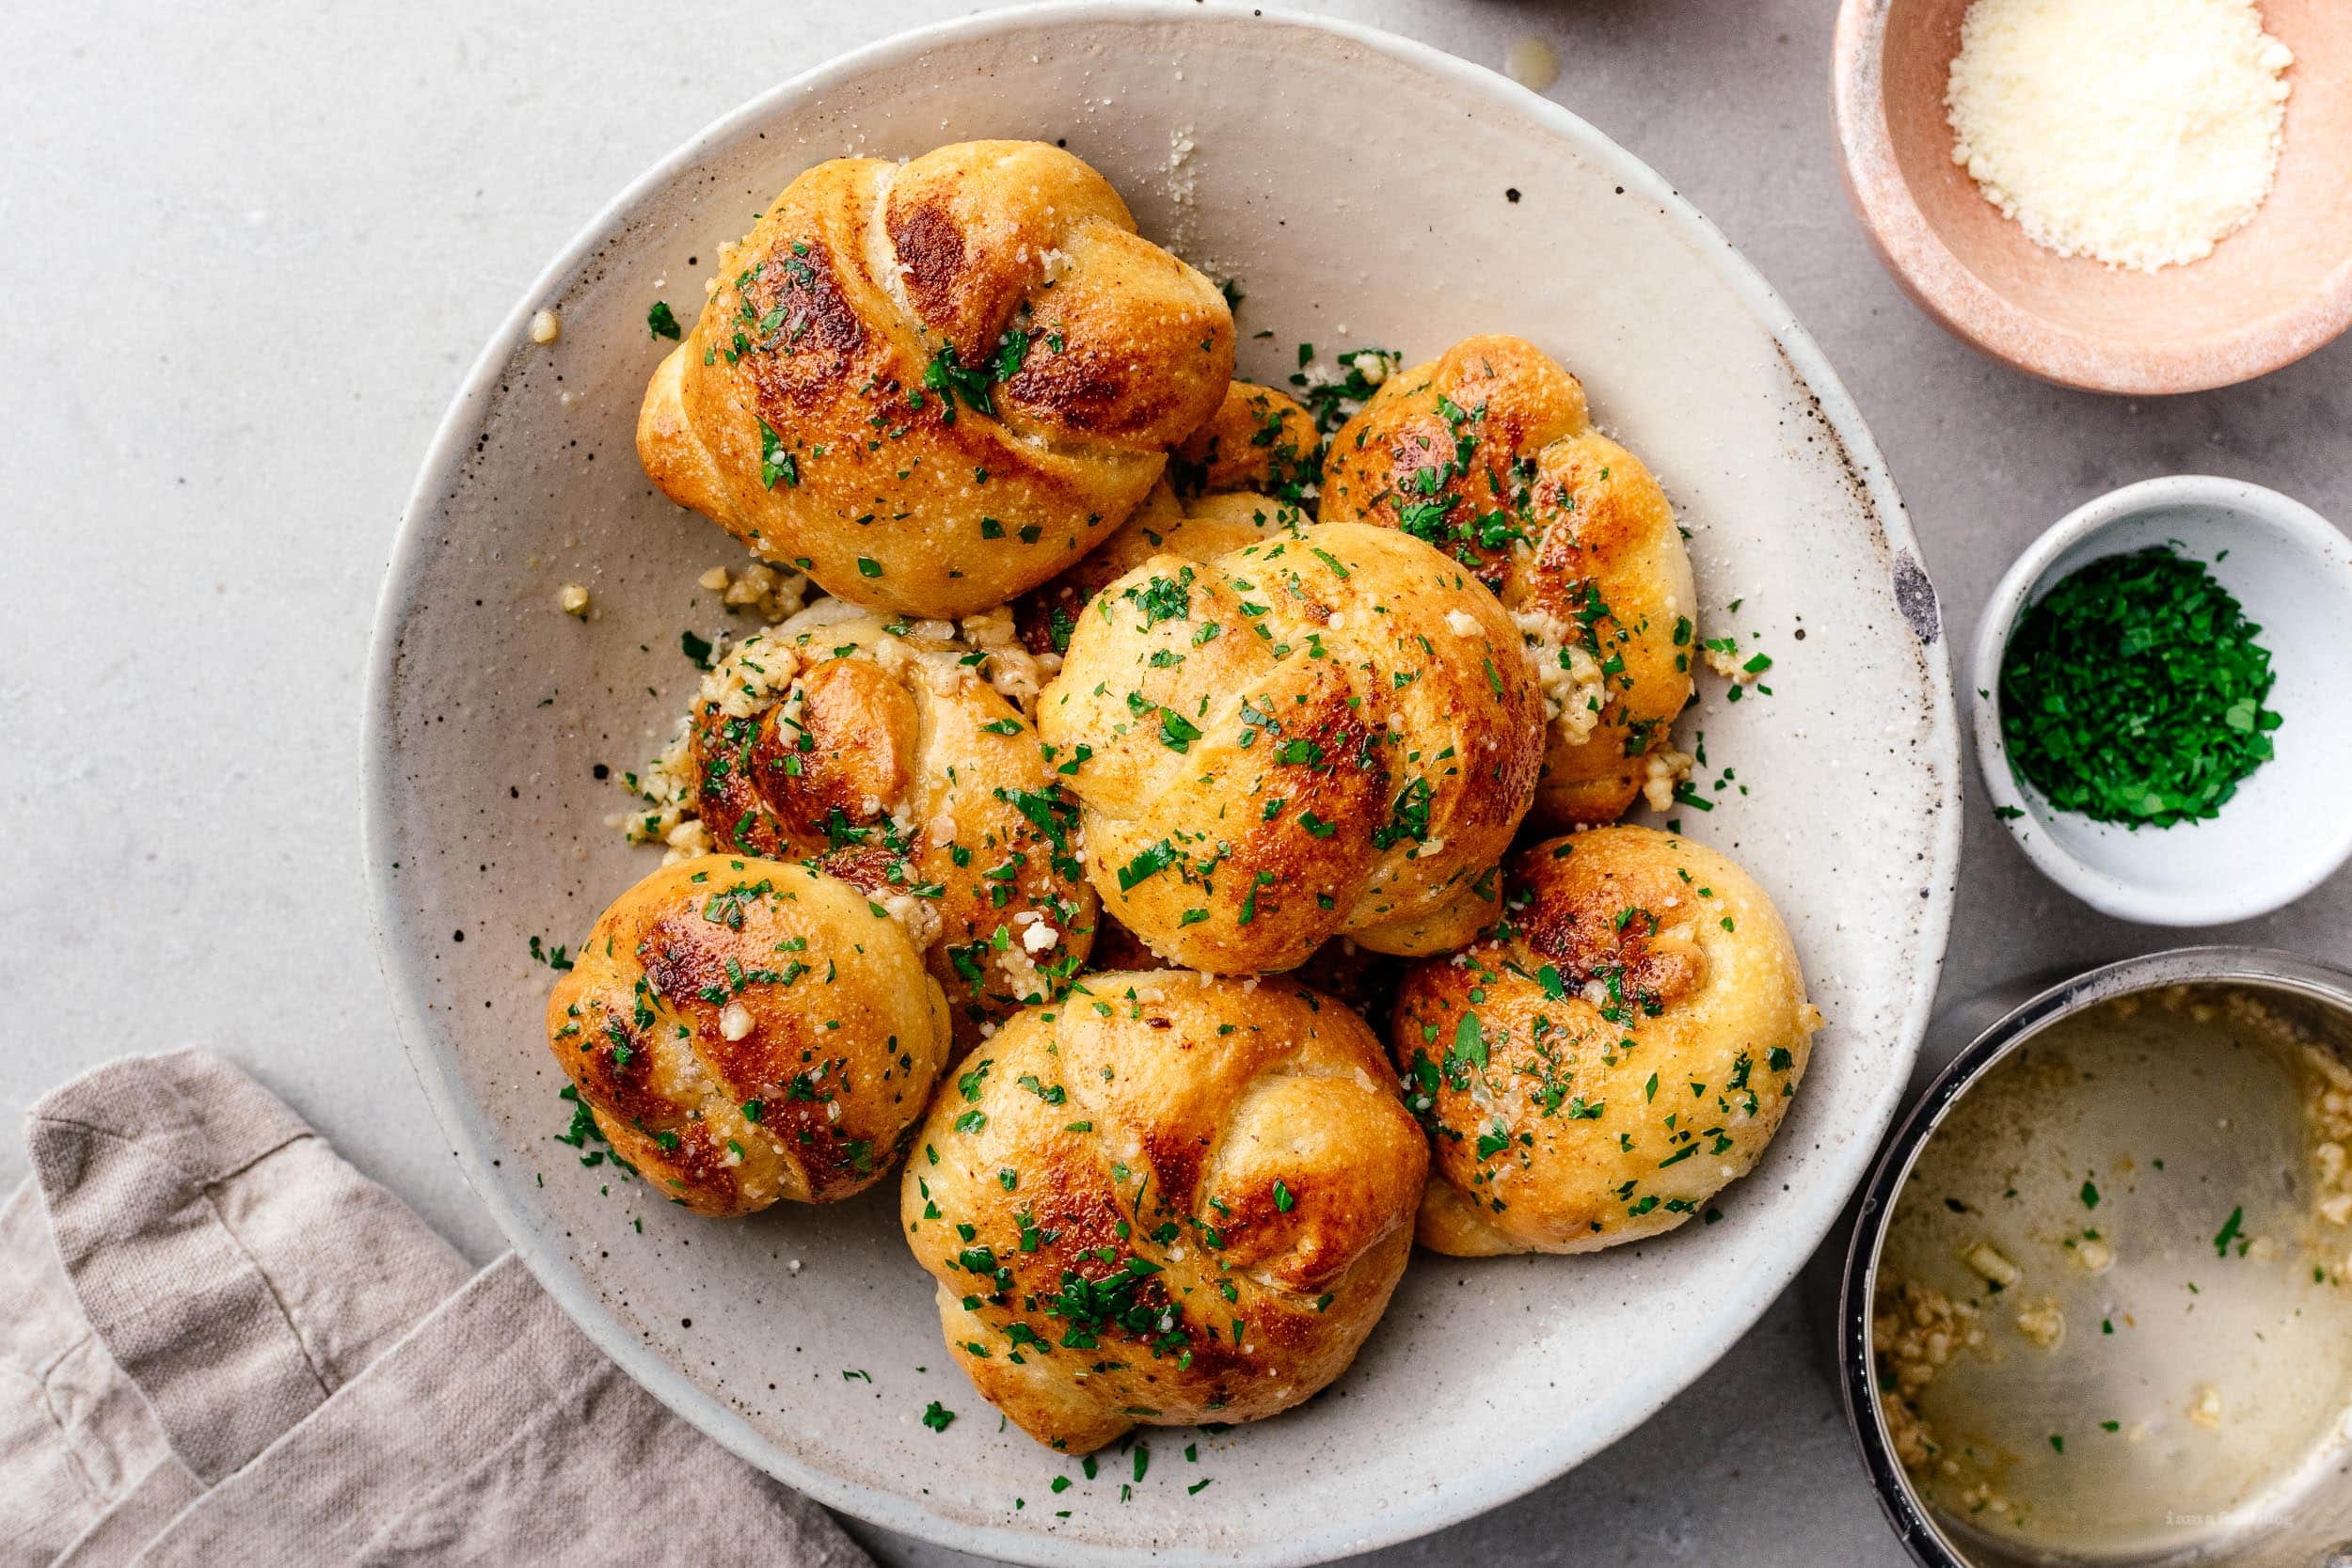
x: 2267, y: 295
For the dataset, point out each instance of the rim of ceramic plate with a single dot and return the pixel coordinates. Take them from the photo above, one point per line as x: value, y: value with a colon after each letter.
x: 474, y: 1139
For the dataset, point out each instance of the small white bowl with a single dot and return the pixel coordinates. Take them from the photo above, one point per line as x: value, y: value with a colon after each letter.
x: 2289, y: 826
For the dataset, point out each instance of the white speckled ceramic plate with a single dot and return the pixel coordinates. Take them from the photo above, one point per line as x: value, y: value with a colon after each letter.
x: 1463, y: 205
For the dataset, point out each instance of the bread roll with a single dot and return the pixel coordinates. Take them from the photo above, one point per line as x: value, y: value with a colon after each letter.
x: 1327, y: 735
x: 876, y: 750
x: 1622, y: 1045
x: 744, y: 1030
x: 1488, y: 453
x: 1170, y: 1201
x: 934, y: 384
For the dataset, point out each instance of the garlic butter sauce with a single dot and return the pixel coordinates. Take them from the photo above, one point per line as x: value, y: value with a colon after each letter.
x: 2114, y: 1304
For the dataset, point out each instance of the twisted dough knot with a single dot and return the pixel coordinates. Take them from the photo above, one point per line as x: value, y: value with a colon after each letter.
x: 1327, y: 734
x: 1623, y: 1043
x: 743, y: 1030
x: 934, y: 384
x: 1171, y: 1199
x: 1488, y: 453
x: 882, y: 757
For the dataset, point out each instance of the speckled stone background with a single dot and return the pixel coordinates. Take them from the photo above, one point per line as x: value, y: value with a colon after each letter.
x: 245, y: 257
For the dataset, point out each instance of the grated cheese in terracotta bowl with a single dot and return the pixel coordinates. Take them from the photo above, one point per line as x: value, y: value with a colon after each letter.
x: 2138, y: 133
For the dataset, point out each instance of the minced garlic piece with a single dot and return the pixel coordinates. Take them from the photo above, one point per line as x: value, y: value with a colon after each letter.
x: 770, y: 592
x: 2042, y: 1322
x: 1017, y: 674
x: 1988, y: 1261
x: 753, y: 675
x: 1574, y: 688
x: 545, y: 326
x: 1981, y: 1499
x: 916, y: 917
x: 687, y: 840
x: 1915, y: 1334
x: 2326, y: 1111
x: 1662, y: 771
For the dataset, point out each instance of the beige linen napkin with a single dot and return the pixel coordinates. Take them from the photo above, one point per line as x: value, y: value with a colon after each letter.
x: 220, y: 1343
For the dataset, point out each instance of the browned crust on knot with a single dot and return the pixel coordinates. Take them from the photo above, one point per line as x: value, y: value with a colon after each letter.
x: 849, y: 748
x: 930, y: 247
x: 1622, y: 1042
x: 1328, y: 731
x: 1189, y: 1202
x: 1488, y: 453
x: 743, y: 1029
x: 911, y: 787
x: 873, y: 416
x: 1605, y: 921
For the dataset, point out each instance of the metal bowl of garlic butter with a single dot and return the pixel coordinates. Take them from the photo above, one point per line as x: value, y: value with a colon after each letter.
x: 2098, y: 1306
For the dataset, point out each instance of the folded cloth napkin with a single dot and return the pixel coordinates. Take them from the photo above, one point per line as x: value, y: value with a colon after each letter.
x: 220, y: 1343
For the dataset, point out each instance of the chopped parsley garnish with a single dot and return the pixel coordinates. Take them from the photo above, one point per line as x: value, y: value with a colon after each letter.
x: 1164, y: 598
x: 951, y: 378
x: 1332, y: 401
x: 775, y: 461
x: 1148, y: 862
x: 2133, y: 691
x: 1407, y: 818
x: 1011, y: 353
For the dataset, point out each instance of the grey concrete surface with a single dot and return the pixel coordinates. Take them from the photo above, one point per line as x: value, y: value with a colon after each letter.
x: 245, y: 253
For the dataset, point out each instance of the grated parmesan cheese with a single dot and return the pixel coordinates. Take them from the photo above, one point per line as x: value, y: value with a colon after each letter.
x: 2138, y: 133
x: 1574, y: 689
